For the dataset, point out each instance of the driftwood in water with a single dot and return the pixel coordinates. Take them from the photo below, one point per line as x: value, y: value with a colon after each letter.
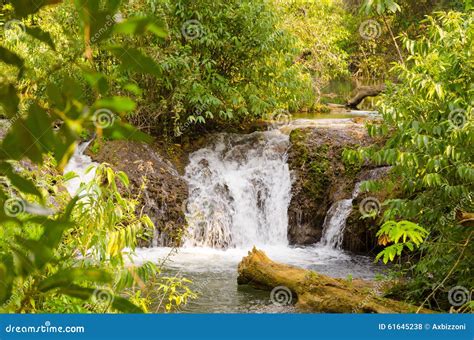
x: 316, y: 292
x: 364, y: 92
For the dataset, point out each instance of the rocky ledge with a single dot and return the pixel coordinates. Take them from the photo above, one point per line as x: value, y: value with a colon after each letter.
x: 321, y: 177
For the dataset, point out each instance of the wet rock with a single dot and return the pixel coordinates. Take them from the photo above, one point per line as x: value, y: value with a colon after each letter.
x: 320, y: 175
x: 359, y: 234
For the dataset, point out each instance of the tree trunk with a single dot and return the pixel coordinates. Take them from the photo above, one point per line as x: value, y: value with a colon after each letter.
x: 364, y: 92
x: 315, y: 292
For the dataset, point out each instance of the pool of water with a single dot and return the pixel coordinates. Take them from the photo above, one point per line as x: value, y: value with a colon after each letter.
x: 214, y: 274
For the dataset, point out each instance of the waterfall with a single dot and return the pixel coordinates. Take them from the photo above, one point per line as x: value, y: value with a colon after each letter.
x: 79, y: 164
x: 239, y: 192
x: 335, y: 221
x: 337, y: 215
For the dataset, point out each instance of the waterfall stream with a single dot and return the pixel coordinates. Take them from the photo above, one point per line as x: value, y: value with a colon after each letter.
x: 335, y: 221
x: 239, y: 193
x: 79, y: 164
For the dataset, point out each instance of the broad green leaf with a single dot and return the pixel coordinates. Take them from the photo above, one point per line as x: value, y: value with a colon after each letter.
x: 23, y: 184
x: 135, y: 60
x: 77, y: 292
x: 11, y: 58
x: 125, y: 306
x: 120, y: 130
x: 6, y: 278
x: 117, y: 104
x: 24, y: 8
x: 140, y: 25
x: 41, y: 35
x: 9, y: 99
x: 42, y: 254
x: 97, y: 81
x: 67, y: 277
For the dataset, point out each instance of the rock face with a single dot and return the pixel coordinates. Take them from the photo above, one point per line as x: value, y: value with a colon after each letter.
x: 320, y: 175
x: 359, y: 234
x: 163, y: 191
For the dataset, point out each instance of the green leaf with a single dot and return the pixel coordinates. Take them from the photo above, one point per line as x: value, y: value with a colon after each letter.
x: 141, y: 25
x: 135, y: 60
x: 125, y: 306
x: 9, y: 99
x: 31, y: 137
x: 68, y: 276
x: 97, y: 81
x: 53, y: 231
x: 6, y: 278
x: 77, y: 292
x: 117, y: 104
x: 24, y: 8
x: 11, y: 58
x: 41, y: 35
x: 120, y: 130
x: 24, y: 185
x: 42, y: 254
x: 123, y: 178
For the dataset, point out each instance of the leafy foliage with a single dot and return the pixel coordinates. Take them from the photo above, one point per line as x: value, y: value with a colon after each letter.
x: 402, y: 234
x: 429, y: 132
x: 56, y: 251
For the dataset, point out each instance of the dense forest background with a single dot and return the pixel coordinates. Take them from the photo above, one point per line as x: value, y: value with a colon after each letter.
x: 171, y: 70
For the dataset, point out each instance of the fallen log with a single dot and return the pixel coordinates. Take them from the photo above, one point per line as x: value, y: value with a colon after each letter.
x: 364, y: 92
x: 315, y: 292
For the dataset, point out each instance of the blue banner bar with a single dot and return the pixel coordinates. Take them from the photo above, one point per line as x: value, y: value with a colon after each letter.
x: 237, y: 326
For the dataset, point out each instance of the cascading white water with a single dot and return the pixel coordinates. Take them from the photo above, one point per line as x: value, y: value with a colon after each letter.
x: 239, y: 192
x: 79, y: 164
x: 338, y: 213
x: 335, y: 221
